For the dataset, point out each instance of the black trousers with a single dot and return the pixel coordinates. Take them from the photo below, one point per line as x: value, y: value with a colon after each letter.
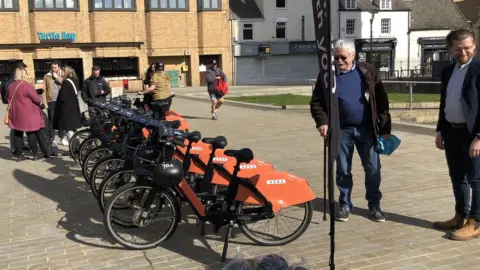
x: 160, y: 107
x: 31, y: 139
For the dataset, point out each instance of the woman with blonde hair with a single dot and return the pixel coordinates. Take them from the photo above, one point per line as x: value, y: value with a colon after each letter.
x: 24, y: 113
x: 67, y: 109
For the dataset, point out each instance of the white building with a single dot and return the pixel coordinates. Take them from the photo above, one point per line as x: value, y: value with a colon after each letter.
x: 273, y: 41
x: 379, y: 28
x: 431, y: 21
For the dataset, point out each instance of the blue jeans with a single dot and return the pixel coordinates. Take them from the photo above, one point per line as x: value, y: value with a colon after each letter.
x: 362, y: 138
x: 464, y: 171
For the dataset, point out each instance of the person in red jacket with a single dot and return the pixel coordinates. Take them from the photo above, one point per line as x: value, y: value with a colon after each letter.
x: 212, y: 74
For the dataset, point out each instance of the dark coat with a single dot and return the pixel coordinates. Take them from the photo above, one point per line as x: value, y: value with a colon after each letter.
x: 378, y: 100
x: 211, y: 77
x: 470, y: 97
x: 67, y: 110
x: 93, y: 86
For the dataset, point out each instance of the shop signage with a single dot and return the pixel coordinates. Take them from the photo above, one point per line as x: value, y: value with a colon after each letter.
x: 302, y: 47
x: 264, y: 50
x: 56, y: 36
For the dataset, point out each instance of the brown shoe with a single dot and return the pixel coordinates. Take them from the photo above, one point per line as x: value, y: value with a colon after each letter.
x: 469, y: 231
x: 456, y: 222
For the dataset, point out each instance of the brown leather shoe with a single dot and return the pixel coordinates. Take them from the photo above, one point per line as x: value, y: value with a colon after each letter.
x: 469, y: 231
x: 456, y: 222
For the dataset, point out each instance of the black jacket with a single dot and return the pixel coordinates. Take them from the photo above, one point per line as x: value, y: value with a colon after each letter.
x: 67, y: 110
x: 93, y: 86
x: 378, y: 100
x: 470, y: 97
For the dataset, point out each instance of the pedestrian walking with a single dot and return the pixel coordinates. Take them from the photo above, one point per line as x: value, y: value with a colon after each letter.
x: 213, y: 75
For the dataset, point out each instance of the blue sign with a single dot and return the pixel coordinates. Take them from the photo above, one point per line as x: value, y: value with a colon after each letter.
x: 67, y: 36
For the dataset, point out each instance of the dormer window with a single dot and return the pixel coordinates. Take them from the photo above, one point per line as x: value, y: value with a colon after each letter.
x: 385, y: 4
x: 350, y: 4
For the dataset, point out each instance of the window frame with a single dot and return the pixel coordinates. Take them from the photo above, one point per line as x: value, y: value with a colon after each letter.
x: 201, y: 8
x: 389, y: 26
x: 354, y: 27
x: 385, y: 4
x: 247, y: 28
x: 276, y: 6
x: 32, y: 7
x: 92, y: 8
x: 353, y: 4
x: 15, y: 8
x: 277, y: 27
x: 149, y: 8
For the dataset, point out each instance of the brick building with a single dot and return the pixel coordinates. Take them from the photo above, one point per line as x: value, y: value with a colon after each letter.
x: 122, y: 36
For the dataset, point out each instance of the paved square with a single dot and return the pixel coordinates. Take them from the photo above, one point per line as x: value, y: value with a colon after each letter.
x: 50, y: 220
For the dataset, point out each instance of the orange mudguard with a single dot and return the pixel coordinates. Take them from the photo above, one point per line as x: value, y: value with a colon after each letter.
x: 174, y: 113
x: 145, y: 133
x: 184, y: 125
x: 280, y: 188
x: 246, y: 170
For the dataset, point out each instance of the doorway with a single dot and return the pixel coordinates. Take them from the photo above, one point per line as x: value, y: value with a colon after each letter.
x: 43, y: 66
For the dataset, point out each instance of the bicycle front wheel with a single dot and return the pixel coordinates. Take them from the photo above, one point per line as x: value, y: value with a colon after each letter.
x: 102, y: 169
x: 91, y: 160
x: 154, y: 213
x: 75, y: 141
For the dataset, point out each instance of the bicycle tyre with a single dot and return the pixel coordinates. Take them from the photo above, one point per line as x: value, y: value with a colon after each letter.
x: 292, y: 237
x: 94, y: 185
x: 74, y: 143
x: 102, y: 201
x: 84, y: 148
x: 86, y: 166
x: 109, y: 222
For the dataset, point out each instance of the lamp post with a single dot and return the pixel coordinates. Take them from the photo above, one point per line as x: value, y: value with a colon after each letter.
x: 371, y: 36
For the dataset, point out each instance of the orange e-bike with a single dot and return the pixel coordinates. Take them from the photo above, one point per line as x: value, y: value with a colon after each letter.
x: 246, y: 201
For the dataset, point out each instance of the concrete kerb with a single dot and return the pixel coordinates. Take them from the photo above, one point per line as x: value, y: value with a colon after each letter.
x: 234, y: 103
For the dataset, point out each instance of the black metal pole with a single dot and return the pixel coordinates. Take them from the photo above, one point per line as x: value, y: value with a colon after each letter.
x: 325, y: 143
x: 371, y: 40
x: 331, y: 200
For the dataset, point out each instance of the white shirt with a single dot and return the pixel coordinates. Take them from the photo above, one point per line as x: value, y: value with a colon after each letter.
x: 453, y: 104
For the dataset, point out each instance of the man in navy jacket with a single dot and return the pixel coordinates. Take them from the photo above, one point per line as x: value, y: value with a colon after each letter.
x: 458, y: 133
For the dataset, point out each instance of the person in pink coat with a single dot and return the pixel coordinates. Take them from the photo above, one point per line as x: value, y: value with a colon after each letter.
x: 24, y: 114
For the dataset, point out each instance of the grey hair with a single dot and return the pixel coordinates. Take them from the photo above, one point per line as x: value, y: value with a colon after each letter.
x: 344, y: 44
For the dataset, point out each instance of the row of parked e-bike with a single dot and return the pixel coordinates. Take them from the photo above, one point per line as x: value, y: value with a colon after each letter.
x: 143, y: 169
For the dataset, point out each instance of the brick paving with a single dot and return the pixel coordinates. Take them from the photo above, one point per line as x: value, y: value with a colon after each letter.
x: 50, y: 220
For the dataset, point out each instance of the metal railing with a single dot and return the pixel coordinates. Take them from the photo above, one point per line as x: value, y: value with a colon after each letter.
x: 409, y: 84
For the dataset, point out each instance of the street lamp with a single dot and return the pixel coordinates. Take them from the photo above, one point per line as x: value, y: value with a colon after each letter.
x: 372, y: 12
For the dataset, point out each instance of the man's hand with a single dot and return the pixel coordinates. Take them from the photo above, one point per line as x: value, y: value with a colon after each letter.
x: 323, y: 130
x: 102, y: 92
x: 139, y: 93
x: 218, y: 77
x: 475, y: 148
x: 439, y: 142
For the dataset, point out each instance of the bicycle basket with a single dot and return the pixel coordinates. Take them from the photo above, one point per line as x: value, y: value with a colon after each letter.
x: 168, y: 173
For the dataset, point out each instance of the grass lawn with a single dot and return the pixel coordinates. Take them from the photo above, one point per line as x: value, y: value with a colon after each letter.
x: 289, y: 99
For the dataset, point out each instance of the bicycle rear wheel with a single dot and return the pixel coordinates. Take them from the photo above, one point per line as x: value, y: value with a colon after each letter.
x: 102, y: 169
x: 91, y: 159
x: 75, y: 141
x: 145, y: 206
x: 268, y: 239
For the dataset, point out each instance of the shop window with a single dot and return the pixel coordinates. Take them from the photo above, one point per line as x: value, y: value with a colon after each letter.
x: 247, y: 31
x: 112, y: 5
x: 281, y: 30
x: 172, y: 5
x: 54, y: 5
x: 209, y: 4
x: 6, y: 69
x: 8, y: 5
x: 118, y: 68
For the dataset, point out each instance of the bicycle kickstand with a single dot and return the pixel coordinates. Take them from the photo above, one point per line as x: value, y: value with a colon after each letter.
x: 202, y: 228
x: 227, y: 238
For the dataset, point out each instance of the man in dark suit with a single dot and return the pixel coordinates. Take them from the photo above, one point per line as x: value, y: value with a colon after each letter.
x: 458, y: 133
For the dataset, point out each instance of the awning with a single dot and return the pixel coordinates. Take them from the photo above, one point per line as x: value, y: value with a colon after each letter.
x: 378, y: 44
x: 432, y: 42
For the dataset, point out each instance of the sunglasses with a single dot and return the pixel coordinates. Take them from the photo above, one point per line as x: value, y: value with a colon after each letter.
x: 336, y: 57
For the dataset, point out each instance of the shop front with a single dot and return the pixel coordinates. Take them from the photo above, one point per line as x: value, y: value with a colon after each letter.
x: 434, y: 55
x: 275, y: 63
x: 383, y: 53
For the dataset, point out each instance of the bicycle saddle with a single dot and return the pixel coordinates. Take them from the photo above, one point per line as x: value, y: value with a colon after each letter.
x: 242, y: 155
x: 194, y: 136
x: 218, y: 142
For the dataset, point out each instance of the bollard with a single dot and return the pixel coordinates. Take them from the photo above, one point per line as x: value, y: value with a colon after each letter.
x: 410, y: 88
